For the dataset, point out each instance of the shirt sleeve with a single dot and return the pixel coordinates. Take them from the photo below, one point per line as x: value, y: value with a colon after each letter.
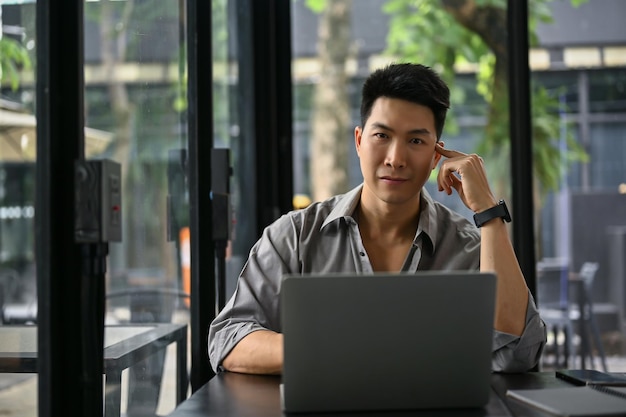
x: 255, y: 303
x: 520, y: 353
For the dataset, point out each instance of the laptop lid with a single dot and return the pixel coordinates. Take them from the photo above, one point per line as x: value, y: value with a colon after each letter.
x: 387, y: 341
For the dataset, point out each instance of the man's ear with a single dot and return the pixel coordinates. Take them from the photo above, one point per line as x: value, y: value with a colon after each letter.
x: 437, y: 156
x: 358, y: 134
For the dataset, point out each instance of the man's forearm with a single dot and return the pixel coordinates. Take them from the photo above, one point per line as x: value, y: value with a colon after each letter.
x: 260, y: 352
x: 497, y: 255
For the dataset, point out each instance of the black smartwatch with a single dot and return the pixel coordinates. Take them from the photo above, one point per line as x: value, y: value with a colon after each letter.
x: 499, y: 210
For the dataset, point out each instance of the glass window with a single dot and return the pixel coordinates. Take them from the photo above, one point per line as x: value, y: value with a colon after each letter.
x: 18, y: 286
x: 135, y: 104
x: 135, y: 113
x: 581, y: 216
x: 329, y: 71
x: 607, y: 152
x: 134, y: 86
x: 562, y: 84
x: 607, y: 91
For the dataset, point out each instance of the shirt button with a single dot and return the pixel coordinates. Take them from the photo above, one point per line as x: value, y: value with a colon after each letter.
x: 362, y: 253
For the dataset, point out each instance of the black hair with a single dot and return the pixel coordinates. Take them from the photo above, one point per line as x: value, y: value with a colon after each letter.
x: 411, y: 82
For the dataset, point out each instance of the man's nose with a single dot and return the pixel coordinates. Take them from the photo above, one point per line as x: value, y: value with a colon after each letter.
x: 396, y: 155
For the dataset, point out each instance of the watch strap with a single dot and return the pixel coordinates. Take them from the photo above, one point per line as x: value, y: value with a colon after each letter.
x: 499, y: 210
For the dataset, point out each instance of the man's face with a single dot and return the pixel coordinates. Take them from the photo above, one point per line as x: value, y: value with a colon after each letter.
x: 396, y: 148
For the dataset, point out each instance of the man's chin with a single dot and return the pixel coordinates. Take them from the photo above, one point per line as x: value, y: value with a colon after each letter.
x: 398, y: 198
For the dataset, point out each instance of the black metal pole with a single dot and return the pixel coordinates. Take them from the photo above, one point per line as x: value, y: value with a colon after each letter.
x: 70, y: 358
x: 265, y: 116
x: 200, y: 119
x: 521, y: 139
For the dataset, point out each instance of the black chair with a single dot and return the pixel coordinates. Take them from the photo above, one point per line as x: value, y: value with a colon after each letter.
x: 555, y: 310
x: 565, y: 305
x: 588, y: 327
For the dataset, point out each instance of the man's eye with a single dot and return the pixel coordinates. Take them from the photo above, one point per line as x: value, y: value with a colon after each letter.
x: 416, y: 141
x: 380, y: 135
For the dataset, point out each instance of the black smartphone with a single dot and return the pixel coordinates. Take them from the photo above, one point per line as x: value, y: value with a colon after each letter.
x: 591, y: 377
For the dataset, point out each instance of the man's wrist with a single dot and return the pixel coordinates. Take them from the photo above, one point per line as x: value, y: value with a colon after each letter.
x: 500, y: 210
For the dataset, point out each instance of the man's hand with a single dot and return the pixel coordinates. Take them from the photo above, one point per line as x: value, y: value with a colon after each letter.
x: 466, y: 174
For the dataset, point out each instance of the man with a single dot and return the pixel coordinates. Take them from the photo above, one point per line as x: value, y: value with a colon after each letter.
x: 389, y: 223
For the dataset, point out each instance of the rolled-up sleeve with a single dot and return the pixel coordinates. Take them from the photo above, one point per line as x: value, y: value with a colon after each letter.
x: 255, y: 303
x: 520, y: 353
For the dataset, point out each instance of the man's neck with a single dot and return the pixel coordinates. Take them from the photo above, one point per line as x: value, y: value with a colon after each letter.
x: 387, y: 232
x: 386, y: 221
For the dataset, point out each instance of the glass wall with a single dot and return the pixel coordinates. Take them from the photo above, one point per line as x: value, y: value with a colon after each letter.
x: 578, y: 132
x: 583, y: 217
x: 136, y: 106
x: 18, y: 285
x: 334, y: 39
x: 135, y: 69
x: 135, y: 88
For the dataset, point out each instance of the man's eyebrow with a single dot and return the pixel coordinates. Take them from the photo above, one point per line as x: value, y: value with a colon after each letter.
x: 419, y: 131
x: 422, y: 131
x: 381, y: 126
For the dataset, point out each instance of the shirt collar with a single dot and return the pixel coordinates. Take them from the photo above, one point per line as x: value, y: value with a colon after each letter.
x: 345, y: 206
x: 428, y: 215
x: 428, y: 218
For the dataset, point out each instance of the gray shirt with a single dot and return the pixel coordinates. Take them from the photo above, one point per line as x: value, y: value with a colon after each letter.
x: 324, y: 237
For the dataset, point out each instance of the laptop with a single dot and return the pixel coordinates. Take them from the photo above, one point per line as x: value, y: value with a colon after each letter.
x: 355, y: 342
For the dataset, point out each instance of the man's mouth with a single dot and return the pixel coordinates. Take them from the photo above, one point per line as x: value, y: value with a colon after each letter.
x: 392, y: 179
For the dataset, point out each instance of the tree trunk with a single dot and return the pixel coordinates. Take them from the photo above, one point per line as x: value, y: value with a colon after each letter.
x: 330, y: 139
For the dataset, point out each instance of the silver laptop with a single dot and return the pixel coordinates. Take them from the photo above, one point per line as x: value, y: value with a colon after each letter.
x: 387, y: 341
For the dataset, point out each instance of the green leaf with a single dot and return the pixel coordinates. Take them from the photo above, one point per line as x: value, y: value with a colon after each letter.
x: 13, y: 58
x: 317, y: 6
x: 577, y: 3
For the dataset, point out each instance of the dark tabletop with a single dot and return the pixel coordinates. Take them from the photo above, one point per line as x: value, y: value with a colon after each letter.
x: 230, y: 394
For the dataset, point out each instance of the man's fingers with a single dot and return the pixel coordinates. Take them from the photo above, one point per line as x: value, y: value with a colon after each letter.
x: 447, y: 181
x: 448, y: 153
